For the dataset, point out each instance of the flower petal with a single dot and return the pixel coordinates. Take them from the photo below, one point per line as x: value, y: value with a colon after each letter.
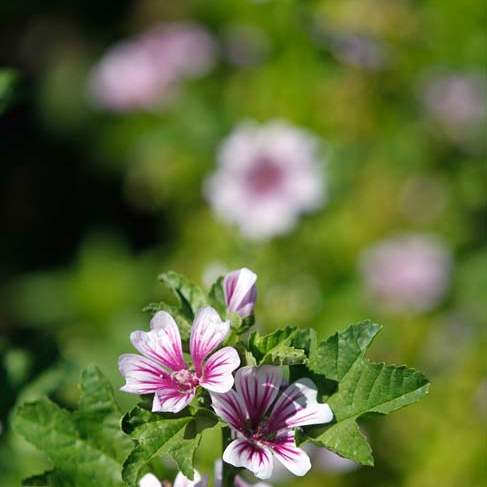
x: 258, y: 388
x: 171, y: 399
x: 293, y: 458
x: 142, y: 375
x: 230, y: 407
x: 207, y: 333
x: 162, y: 343
x: 217, y: 371
x: 149, y: 480
x: 257, y: 459
x: 240, y: 482
x: 240, y: 291
x: 298, y: 406
x: 198, y: 481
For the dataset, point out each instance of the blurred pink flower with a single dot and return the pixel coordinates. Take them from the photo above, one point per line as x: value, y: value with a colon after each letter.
x: 457, y: 102
x: 359, y: 50
x: 263, y: 419
x: 327, y: 461
x: 141, y: 72
x: 162, y: 370
x: 240, y: 291
x: 267, y: 176
x: 408, y: 273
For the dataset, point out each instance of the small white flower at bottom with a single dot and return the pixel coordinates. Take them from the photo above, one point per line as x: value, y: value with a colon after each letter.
x: 150, y: 480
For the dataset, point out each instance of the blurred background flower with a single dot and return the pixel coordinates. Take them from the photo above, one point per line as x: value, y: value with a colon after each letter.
x: 267, y: 176
x: 408, y: 273
x: 144, y: 71
x: 336, y: 148
x: 457, y: 103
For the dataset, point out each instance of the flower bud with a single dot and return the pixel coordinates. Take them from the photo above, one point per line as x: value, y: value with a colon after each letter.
x: 240, y: 291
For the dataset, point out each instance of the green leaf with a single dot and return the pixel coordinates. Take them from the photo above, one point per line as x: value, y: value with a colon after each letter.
x: 86, y: 447
x: 179, y: 316
x: 235, y: 322
x: 45, y: 479
x: 364, y: 387
x: 191, y: 297
x: 216, y: 296
x: 286, y: 346
x: 335, y: 356
x: 160, y: 433
x: 98, y: 417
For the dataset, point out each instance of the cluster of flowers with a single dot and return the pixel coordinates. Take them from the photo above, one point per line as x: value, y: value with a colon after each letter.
x: 261, y: 410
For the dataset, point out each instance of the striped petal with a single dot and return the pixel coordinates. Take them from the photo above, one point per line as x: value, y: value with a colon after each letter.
x: 230, y: 407
x: 162, y: 343
x: 217, y: 371
x: 243, y: 453
x: 142, y: 375
x: 298, y: 406
x: 258, y: 387
x: 149, y: 480
x: 207, y: 333
x: 171, y: 399
x: 293, y: 458
x: 240, y: 291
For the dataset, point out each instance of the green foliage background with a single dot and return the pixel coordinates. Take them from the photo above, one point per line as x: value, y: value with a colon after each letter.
x: 96, y: 205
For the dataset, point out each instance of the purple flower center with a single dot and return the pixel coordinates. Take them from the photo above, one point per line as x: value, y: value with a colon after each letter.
x: 264, y: 176
x: 260, y: 433
x: 185, y: 379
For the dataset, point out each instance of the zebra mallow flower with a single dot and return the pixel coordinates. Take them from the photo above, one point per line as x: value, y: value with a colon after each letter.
x: 267, y: 176
x: 263, y: 415
x: 162, y: 368
x: 408, y: 273
x: 150, y: 480
x: 456, y: 102
x: 142, y: 72
x: 240, y: 291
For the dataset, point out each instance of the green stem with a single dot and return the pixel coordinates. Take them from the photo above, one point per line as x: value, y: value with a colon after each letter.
x: 228, y: 471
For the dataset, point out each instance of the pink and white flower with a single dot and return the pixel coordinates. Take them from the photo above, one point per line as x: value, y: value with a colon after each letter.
x: 263, y: 418
x: 267, y: 176
x: 240, y: 291
x: 141, y: 72
x: 457, y: 103
x: 406, y: 274
x: 150, y: 480
x: 162, y: 369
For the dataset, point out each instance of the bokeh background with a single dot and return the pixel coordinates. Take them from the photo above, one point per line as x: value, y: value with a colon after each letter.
x: 142, y: 136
